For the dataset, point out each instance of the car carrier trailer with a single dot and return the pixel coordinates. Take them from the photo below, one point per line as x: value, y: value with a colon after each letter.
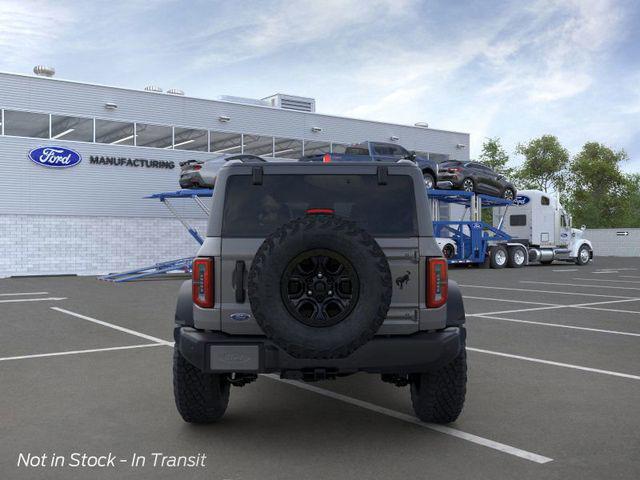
x: 534, y: 228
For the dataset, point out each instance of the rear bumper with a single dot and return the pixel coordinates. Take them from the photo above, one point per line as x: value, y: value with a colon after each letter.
x: 218, y: 352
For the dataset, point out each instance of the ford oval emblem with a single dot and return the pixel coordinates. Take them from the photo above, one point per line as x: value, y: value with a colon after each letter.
x: 240, y: 316
x: 521, y: 200
x: 55, y: 157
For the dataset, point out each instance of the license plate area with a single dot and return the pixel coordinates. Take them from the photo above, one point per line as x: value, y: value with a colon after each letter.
x: 234, y: 358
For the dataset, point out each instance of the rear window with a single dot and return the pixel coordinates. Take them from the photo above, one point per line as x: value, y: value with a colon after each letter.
x: 356, y: 151
x: 257, y: 210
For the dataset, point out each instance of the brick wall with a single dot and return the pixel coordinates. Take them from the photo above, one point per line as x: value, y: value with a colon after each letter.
x: 611, y: 242
x: 46, y: 245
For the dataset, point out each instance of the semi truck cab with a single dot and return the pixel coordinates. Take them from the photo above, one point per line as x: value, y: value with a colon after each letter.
x: 538, y: 220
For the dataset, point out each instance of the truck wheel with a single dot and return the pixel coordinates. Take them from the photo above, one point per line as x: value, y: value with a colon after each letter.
x: 200, y: 397
x: 429, y: 181
x: 517, y: 257
x: 438, y: 397
x: 320, y: 287
x: 499, y: 256
x: 508, y: 194
x: 468, y: 185
x: 584, y: 255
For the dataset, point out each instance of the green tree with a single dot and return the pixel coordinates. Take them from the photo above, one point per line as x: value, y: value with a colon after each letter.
x: 600, y: 194
x: 545, y: 164
x: 494, y: 156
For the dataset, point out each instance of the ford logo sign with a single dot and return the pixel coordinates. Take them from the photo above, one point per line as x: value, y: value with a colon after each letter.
x: 240, y: 316
x: 55, y: 157
x: 521, y: 200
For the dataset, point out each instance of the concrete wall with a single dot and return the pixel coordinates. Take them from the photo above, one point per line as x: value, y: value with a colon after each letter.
x: 612, y: 242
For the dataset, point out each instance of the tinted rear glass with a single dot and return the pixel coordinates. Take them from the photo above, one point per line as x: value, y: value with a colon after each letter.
x: 517, y: 220
x: 257, y: 210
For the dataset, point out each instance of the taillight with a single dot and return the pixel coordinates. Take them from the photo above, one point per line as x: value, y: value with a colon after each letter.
x: 202, y: 285
x: 454, y: 170
x: 197, y: 167
x: 326, y: 158
x: 437, y: 282
x: 320, y: 211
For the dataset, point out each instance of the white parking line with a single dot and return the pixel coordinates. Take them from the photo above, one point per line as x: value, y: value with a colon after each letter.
x: 543, y: 291
x: 510, y: 301
x: 76, y: 352
x: 575, y: 305
x: 115, y: 327
x: 566, y: 270
x: 19, y: 300
x: 629, y: 276
x: 556, y: 364
x: 533, y: 457
x: 27, y: 293
x: 605, y: 280
x: 580, y: 285
x: 558, y: 325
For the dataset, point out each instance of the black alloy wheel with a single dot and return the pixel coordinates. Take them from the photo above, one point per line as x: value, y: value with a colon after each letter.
x: 467, y: 185
x: 508, y: 194
x: 320, y: 287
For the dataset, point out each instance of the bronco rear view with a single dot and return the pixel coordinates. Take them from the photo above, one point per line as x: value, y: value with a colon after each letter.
x: 314, y: 271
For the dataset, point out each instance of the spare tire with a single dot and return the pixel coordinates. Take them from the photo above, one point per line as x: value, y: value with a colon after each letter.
x: 320, y: 287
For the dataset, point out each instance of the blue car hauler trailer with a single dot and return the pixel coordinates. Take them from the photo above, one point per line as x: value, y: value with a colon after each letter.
x: 470, y: 240
x: 534, y: 228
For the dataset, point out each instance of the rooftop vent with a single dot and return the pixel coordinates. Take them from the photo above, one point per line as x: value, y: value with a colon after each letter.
x: 153, y: 88
x: 291, y: 102
x: 175, y: 91
x: 43, y: 71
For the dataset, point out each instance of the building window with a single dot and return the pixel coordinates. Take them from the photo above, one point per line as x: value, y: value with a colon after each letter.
x: 190, y: 139
x: 157, y: 136
x: 316, y: 148
x: 26, y: 124
x: 287, y: 148
x: 227, y: 143
x: 338, y: 147
x: 115, y: 133
x: 257, y: 145
x: 71, y: 128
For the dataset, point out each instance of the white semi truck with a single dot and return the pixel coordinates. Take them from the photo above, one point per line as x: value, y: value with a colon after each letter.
x: 537, y: 223
x: 534, y: 228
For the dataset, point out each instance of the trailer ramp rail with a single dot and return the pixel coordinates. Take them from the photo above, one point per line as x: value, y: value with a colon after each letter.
x: 178, y: 265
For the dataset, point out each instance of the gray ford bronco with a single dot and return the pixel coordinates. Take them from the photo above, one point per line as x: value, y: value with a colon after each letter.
x: 314, y: 272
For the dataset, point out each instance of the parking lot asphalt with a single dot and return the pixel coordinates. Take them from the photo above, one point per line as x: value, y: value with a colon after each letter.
x: 553, y: 392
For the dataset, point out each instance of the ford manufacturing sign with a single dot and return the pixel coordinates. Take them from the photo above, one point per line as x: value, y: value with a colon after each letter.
x: 55, y: 157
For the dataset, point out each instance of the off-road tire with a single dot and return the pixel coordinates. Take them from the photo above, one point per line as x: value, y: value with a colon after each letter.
x: 200, y: 397
x: 304, y: 234
x: 438, y: 396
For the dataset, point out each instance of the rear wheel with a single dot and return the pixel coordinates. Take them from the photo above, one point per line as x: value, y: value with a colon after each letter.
x: 468, y: 185
x: 429, y: 181
x: 448, y: 251
x: 499, y: 256
x: 517, y: 257
x: 200, y: 397
x: 438, y: 397
x: 508, y: 193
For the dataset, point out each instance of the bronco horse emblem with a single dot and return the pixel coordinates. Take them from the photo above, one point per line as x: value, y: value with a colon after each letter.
x: 403, y: 280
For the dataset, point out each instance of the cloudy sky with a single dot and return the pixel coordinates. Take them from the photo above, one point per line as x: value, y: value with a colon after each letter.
x: 515, y: 69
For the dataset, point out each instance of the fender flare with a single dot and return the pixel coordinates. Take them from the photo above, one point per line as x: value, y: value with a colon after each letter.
x: 578, y: 244
x: 184, y: 307
x: 455, y: 306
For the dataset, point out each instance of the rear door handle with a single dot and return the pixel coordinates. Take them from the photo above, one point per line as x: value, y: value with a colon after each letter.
x: 238, y: 281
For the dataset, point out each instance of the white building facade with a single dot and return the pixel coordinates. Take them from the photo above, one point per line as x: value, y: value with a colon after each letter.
x: 90, y: 217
